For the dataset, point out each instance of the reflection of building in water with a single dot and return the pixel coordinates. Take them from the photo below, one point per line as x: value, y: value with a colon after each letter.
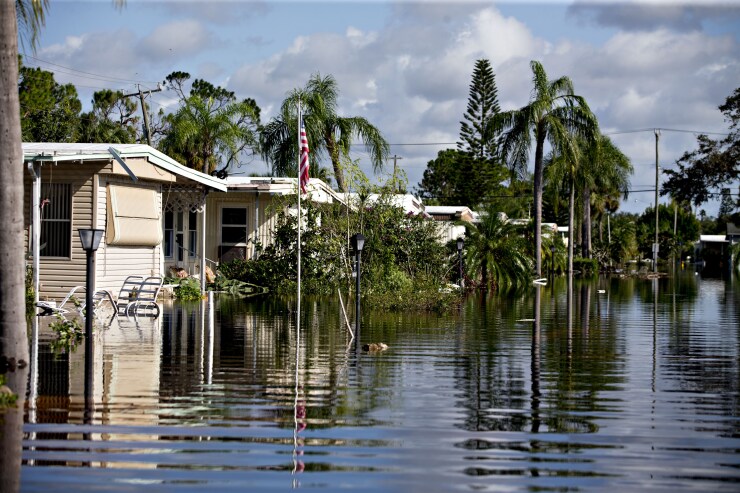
x: 130, y: 381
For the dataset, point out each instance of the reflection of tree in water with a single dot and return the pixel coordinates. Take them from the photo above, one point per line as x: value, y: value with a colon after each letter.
x: 701, y: 360
x: 254, y: 360
x: 581, y: 367
x: 489, y: 376
x: 566, y: 376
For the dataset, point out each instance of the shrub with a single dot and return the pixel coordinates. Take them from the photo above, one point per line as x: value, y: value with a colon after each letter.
x: 188, y: 289
x: 69, y: 334
x: 589, y: 267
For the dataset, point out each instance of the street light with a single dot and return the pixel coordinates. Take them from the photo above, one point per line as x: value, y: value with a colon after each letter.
x: 90, y: 239
x: 358, y: 243
x: 460, y: 245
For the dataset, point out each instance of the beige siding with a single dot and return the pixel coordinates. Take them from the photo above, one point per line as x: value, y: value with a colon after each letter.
x: 265, y: 219
x: 59, y: 275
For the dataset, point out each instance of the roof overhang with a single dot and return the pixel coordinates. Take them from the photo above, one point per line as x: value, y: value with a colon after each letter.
x: 47, y: 152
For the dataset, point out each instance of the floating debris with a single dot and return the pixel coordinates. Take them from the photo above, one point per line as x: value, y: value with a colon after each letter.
x: 375, y: 347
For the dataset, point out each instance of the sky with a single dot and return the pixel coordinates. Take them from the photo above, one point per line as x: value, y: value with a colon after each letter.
x: 406, y: 66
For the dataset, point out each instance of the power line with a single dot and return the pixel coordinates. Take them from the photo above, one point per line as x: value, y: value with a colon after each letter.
x: 93, y: 75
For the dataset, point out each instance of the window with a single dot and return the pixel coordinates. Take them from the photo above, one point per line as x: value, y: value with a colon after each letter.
x: 234, y: 225
x: 169, y: 233
x: 56, y: 220
x: 179, y: 237
x: 192, y: 234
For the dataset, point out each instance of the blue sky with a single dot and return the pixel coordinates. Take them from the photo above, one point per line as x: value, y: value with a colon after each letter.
x: 406, y: 66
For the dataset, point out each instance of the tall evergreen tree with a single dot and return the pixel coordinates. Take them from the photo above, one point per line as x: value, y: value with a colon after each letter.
x: 482, y: 106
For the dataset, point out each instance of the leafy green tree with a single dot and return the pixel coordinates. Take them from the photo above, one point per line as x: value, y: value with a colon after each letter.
x: 727, y: 205
x: 113, y: 119
x: 555, y: 114
x: 328, y: 133
x: 712, y: 166
x: 49, y: 111
x: 623, y: 244
x: 212, y: 129
x: 482, y: 106
x: 496, y: 252
x: 687, y: 231
x: 458, y: 178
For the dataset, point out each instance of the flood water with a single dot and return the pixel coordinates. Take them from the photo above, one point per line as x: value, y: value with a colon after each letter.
x: 640, y: 391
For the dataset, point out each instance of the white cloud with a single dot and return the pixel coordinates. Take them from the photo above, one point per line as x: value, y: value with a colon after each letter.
x: 175, y: 41
x: 410, y: 76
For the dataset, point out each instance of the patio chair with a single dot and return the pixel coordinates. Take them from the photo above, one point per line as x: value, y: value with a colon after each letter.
x: 129, y: 291
x: 145, y: 298
x: 72, y: 302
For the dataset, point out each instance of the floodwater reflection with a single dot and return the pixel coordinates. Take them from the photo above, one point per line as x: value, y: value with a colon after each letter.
x: 610, y: 385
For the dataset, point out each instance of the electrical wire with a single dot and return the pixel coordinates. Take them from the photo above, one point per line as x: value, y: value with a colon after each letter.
x: 91, y: 74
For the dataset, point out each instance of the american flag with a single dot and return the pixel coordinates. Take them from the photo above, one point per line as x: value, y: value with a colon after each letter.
x: 303, y: 172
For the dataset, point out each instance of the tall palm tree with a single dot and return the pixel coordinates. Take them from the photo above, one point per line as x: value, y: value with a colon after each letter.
x: 595, y: 167
x: 328, y: 133
x: 205, y: 133
x: 605, y: 173
x: 13, y: 339
x: 555, y: 114
x: 496, y: 251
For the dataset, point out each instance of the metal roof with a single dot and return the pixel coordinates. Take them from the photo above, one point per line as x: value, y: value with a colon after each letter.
x: 58, y: 152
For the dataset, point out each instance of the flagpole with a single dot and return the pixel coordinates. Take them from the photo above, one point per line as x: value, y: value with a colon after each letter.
x: 298, y: 310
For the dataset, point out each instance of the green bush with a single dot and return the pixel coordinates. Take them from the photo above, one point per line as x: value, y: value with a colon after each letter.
x: 401, y: 255
x: 69, y: 334
x: 589, y: 267
x: 419, y: 296
x: 188, y: 289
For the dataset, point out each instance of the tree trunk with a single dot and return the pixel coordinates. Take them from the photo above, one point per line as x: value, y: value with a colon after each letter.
x: 571, y: 222
x: 538, y: 199
x: 586, y: 225
x: 331, y: 147
x: 13, y: 339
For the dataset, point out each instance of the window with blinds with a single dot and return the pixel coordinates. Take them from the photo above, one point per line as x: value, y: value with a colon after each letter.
x: 56, y: 220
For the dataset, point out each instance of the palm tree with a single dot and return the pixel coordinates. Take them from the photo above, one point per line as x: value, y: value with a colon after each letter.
x: 496, y: 252
x: 328, y: 133
x: 605, y: 173
x: 554, y: 114
x: 594, y: 168
x: 13, y: 338
x: 13, y: 341
x: 206, y: 132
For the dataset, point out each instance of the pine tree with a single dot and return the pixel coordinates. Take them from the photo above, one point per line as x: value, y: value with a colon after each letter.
x: 482, y: 106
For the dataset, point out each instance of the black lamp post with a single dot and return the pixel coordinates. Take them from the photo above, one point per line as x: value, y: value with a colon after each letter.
x: 358, y: 242
x: 460, y: 245
x: 90, y: 239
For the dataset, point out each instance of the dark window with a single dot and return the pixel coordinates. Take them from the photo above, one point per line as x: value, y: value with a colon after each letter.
x: 233, y: 225
x: 192, y: 234
x: 169, y: 233
x: 179, y: 237
x: 56, y: 220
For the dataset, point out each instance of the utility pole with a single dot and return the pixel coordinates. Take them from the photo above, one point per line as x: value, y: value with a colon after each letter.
x: 140, y: 94
x: 395, y: 166
x: 657, y: 183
